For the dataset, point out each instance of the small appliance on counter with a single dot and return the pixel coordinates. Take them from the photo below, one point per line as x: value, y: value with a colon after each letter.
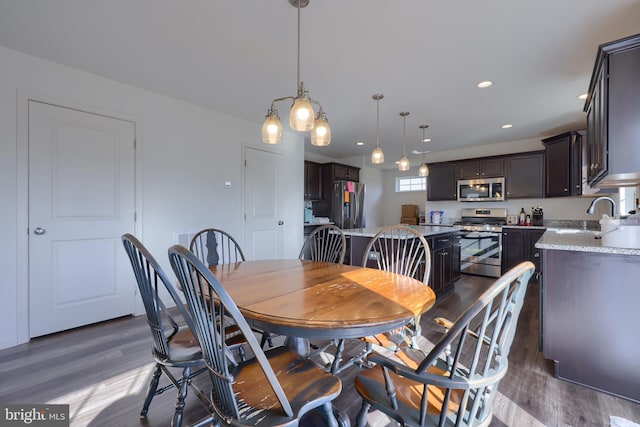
x: 536, y: 216
x: 308, y: 212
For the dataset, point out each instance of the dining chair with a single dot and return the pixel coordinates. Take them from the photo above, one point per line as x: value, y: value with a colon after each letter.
x: 397, y: 249
x: 275, y: 387
x: 326, y: 243
x: 456, y: 382
x: 174, y: 345
x: 214, y: 246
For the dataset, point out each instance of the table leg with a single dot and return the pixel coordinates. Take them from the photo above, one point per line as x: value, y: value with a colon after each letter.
x: 299, y: 345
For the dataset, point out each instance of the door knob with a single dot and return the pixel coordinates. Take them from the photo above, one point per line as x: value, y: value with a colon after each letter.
x: 39, y: 231
x: 280, y: 222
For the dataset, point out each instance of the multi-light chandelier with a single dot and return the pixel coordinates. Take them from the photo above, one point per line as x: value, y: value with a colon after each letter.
x: 302, y: 117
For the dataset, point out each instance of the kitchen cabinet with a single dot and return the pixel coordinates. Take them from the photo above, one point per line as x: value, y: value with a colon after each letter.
x: 563, y: 165
x: 613, y: 108
x: 489, y: 167
x: 590, y: 318
x: 442, y: 181
x: 455, y: 260
x: 518, y: 245
x: 312, y: 181
x: 524, y: 175
x: 337, y: 171
x: 442, y: 263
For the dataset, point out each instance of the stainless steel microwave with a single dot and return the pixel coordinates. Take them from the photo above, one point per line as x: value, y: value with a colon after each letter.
x: 481, y: 190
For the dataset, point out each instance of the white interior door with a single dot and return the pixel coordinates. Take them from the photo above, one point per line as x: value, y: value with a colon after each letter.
x: 263, y: 205
x: 81, y: 200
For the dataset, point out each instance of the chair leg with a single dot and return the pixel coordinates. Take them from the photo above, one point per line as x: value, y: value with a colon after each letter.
x: 182, y: 395
x: 361, y: 419
x: 153, y: 386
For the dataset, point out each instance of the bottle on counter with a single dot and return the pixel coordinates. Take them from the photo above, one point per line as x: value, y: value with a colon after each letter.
x: 522, y: 217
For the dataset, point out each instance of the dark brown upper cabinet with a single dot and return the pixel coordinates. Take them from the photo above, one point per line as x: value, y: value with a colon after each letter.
x: 489, y: 167
x: 525, y: 175
x: 613, y: 109
x: 563, y: 165
x: 442, y: 181
x: 337, y: 171
x: 312, y: 181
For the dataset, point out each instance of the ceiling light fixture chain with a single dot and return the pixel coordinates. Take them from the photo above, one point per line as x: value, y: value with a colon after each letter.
x: 377, y: 155
x: 404, y: 164
x: 301, y: 115
x: 424, y: 169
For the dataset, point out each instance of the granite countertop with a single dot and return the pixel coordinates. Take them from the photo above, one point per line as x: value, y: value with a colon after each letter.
x: 566, y: 239
x: 425, y: 230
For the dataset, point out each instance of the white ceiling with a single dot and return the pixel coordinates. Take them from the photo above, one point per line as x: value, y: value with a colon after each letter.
x: 425, y: 56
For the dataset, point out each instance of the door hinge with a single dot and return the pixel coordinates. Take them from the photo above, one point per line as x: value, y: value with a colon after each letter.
x: 135, y: 217
x: 135, y: 143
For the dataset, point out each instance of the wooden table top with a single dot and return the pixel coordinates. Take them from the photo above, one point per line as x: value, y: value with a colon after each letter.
x: 322, y: 300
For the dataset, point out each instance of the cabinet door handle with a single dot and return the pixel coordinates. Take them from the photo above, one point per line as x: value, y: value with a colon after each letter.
x: 536, y: 255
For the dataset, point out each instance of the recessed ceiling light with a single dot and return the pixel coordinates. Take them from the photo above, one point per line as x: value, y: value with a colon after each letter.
x: 484, y: 84
x: 426, y: 140
x: 507, y: 126
x: 583, y: 96
x: 359, y: 143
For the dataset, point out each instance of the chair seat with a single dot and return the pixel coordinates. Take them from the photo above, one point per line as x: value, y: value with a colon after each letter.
x: 184, y: 347
x: 253, y: 391
x: 371, y: 385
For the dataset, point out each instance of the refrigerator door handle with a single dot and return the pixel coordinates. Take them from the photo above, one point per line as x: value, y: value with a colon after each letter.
x: 356, y: 210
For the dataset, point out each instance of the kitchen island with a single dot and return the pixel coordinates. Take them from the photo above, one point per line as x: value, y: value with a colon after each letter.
x: 444, y: 244
x: 589, y: 314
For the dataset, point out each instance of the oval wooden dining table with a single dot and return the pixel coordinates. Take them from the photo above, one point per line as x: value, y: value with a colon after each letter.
x: 311, y: 299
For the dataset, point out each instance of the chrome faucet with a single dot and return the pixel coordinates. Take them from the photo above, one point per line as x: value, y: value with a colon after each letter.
x: 593, y: 205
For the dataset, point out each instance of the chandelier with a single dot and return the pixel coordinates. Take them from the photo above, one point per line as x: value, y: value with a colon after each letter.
x: 424, y: 169
x: 302, y: 116
x: 403, y: 163
x: 377, y: 155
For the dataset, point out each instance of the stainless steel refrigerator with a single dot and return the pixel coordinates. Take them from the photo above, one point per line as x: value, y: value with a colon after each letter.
x: 348, y: 204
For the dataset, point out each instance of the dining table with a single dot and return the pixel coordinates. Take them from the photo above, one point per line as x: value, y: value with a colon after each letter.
x: 303, y: 299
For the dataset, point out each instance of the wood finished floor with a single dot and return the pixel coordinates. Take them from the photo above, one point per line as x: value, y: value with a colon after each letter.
x: 102, y: 372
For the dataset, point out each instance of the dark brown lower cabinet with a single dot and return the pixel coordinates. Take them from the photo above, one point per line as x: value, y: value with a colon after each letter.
x: 518, y: 245
x: 590, y: 318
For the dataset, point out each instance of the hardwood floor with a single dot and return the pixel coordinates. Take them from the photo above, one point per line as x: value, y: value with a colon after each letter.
x: 102, y: 372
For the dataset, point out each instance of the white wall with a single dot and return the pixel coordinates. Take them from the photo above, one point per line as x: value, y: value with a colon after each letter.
x: 185, y: 153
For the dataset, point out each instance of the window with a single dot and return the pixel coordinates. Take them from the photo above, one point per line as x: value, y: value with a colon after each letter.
x: 411, y: 183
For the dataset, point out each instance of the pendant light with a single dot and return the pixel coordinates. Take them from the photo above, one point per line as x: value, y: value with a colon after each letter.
x: 424, y: 169
x: 302, y: 117
x: 403, y: 163
x: 377, y: 155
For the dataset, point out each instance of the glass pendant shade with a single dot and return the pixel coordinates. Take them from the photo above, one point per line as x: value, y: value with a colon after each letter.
x: 404, y: 164
x: 377, y: 156
x: 301, y: 117
x: 272, y: 129
x: 321, y: 133
x: 424, y: 170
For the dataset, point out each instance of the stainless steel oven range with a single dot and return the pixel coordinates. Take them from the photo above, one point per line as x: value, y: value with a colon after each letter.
x: 481, y: 240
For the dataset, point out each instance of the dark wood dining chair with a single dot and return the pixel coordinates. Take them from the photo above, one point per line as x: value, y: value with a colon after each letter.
x: 326, y: 243
x: 402, y: 250
x: 174, y: 344
x: 214, y: 247
x: 275, y: 387
x: 397, y: 249
x: 456, y: 382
